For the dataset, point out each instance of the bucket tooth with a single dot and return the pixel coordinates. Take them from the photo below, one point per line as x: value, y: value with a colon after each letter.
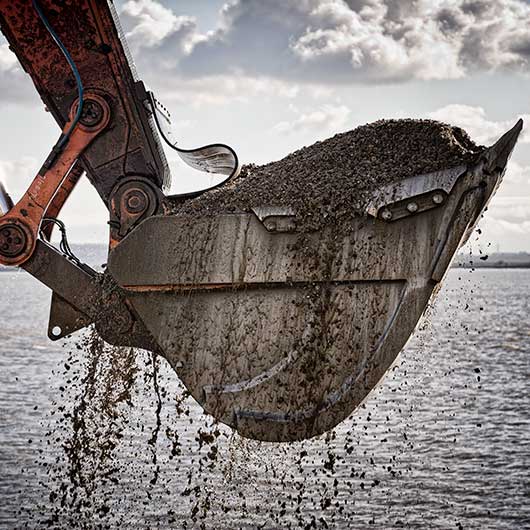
x: 497, y: 156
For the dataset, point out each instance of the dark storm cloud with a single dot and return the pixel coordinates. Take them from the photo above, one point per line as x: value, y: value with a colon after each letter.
x: 520, y: 46
x: 478, y: 8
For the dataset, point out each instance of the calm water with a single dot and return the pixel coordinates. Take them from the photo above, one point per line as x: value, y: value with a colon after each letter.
x: 443, y: 443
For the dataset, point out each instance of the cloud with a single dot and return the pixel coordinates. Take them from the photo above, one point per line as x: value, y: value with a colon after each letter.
x: 321, y: 42
x: 518, y: 175
x: 328, y: 118
x: 338, y: 41
x: 151, y: 25
x: 8, y: 60
x: 514, y: 210
x: 475, y: 121
x: 16, y: 175
x: 508, y: 217
x: 221, y: 89
x: 506, y: 224
x: 15, y: 85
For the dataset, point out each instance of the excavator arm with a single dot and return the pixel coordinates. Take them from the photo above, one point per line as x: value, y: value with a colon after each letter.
x: 77, y: 57
x: 82, y: 70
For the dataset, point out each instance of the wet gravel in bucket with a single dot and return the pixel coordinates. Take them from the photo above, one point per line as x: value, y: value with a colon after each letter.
x: 334, y: 179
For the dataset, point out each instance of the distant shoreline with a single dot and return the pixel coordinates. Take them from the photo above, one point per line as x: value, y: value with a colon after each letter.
x: 495, y: 260
x: 491, y: 266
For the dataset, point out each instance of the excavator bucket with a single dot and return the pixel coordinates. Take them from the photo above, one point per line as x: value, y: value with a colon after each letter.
x: 282, y: 347
x: 276, y: 330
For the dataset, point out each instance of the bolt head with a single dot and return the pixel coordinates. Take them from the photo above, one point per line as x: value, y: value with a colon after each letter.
x: 92, y: 113
x: 12, y: 241
x: 136, y: 201
x: 438, y: 198
x: 271, y: 225
x: 386, y: 214
x: 412, y: 207
x: 133, y: 202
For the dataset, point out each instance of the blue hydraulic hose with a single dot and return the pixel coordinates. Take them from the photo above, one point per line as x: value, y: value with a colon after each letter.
x: 64, y: 137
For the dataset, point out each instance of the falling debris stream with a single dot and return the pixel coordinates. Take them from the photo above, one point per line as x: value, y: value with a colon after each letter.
x: 440, y: 444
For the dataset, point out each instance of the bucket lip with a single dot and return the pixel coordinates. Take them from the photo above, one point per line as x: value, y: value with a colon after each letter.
x: 497, y: 156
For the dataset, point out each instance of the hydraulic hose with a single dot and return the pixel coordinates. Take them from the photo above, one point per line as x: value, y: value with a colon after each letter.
x: 64, y: 136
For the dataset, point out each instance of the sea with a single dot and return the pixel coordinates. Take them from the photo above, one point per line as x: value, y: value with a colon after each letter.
x: 442, y: 443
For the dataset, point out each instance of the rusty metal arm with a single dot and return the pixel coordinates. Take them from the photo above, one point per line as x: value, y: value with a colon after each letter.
x: 89, y: 30
x: 19, y: 228
x: 64, y: 191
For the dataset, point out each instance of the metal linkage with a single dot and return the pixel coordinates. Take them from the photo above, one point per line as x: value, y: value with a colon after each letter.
x: 133, y: 200
x: 20, y: 226
x: 83, y: 297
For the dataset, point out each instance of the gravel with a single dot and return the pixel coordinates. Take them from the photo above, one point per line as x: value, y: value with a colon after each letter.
x: 334, y: 179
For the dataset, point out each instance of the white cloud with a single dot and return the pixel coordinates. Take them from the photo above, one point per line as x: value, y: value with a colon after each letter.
x: 367, y: 44
x: 514, y: 210
x: 222, y: 89
x: 8, y: 60
x: 14, y: 83
x: 328, y: 118
x: 506, y: 224
x: 151, y: 25
x: 323, y: 42
x: 518, y: 175
x: 16, y: 175
x: 331, y: 41
x: 475, y: 121
x: 152, y: 21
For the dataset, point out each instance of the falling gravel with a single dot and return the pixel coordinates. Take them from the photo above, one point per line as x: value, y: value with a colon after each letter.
x: 334, y: 179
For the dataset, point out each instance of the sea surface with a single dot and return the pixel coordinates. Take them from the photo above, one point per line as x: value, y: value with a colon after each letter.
x: 443, y: 443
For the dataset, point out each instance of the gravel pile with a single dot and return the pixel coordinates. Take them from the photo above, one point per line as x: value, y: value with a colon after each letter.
x: 334, y: 179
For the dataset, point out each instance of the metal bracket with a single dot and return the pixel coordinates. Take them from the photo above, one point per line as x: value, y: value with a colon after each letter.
x: 280, y: 219
x: 414, y: 195
x: 65, y: 319
x: 82, y: 297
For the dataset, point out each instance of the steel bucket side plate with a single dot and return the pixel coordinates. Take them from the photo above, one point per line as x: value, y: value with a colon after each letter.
x: 281, y: 335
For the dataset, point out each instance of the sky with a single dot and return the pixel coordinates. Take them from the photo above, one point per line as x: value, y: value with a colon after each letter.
x: 270, y: 76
